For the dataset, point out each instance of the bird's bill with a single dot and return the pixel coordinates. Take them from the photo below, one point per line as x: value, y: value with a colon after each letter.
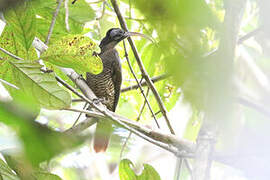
x: 128, y: 34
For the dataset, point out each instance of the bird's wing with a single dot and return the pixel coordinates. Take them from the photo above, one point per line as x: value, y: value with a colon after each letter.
x: 117, y: 80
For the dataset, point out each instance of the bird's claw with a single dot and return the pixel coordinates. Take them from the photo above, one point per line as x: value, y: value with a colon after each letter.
x: 81, y: 76
x: 95, y: 53
x: 100, y: 100
x: 48, y: 71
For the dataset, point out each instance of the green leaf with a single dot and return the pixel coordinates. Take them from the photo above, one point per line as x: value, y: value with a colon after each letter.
x: 151, y: 56
x: 149, y: 173
x: 40, y: 143
x: 6, y: 172
x: 43, y: 175
x: 23, y: 21
x: 10, y: 42
x: 42, y: 88
x: 79, y: 14
x: 126, y: 172
x: 74, y: 52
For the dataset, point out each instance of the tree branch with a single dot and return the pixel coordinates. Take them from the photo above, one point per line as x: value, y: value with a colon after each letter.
x: 166, y: 141
x: 248, y: 35
x: 10, y: 54
x: 170, y: 143
x: 219, y: 101
x: 258, y: 107
x: 141, y: 66
x: 138, y: 83
x: 136, y: 86
x: 138, y: 119
x: 81, y: 126
x: 53, y: 22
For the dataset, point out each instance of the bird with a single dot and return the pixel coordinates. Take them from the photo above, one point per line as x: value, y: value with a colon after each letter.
x: 107, y: 84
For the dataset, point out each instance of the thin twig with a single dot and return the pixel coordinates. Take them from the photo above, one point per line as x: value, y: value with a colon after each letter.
x: 143, y: 83
x: 77, y: 100
x: 178, y: 168
x: 67, y: 15
x: 239, y: 41
x: 103, y: 11
x: 248, y: 35
x: 79, y: 116
x: 189, y: 168
x: 138, y: 83
x: 53, y: 22
x: 10, y: 54
x: 141, y: 66
x: 143, y: 106
x: 96, y: 2
x: 141, y: 131
x: 135, y: 19
x: 251, y: 104
x: 138, y: 119
x: 81, y: 126
x: 9, y: 84
x: 124, y: 145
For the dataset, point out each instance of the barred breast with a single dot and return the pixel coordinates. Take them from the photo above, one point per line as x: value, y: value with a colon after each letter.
x: 103, y: 87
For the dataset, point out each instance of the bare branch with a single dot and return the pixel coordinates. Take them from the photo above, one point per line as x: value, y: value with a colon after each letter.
x: 103, y: 11
x: 165, y: 141
x: 81, y: 126
x: 136, y: 86
x: 248, y: 35
x: 138, y: 83
x: 67, y: 15
x: 138, y: 119
x: 79, y: 116
x: 141, y: 66
x: 9, y: 84
x: 53, y: 22
x: 10, y: 54
x: 258, y: 107
x: 219, y: 102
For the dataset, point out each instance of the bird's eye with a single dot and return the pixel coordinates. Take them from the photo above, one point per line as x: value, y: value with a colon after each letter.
x: 117, y: 37
x: 113, y: 33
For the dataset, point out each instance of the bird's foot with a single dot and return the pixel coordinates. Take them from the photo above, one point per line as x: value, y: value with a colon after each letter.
x: 81, y: 77
x: 99, y: 100
x: 95, y: 53
x: 48, y: 71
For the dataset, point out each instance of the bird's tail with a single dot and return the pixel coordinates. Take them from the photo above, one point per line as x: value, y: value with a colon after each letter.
x: 102, y: 135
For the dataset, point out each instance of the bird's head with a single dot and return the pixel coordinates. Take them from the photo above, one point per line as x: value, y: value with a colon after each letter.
x: 112, y: 38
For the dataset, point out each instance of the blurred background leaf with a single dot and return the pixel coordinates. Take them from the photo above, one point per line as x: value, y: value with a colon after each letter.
x: 40, y: 143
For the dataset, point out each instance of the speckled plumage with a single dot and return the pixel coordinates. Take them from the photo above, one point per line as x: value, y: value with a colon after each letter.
x: 106, y: 85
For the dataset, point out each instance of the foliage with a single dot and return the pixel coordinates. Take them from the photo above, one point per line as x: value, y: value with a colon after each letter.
x: 42, y: 88
x: 126, y: 172
x: 74, y: 52
x: 184, y: 32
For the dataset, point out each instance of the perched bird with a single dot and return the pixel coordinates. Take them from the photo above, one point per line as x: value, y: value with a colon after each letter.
x: 106, y: 85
